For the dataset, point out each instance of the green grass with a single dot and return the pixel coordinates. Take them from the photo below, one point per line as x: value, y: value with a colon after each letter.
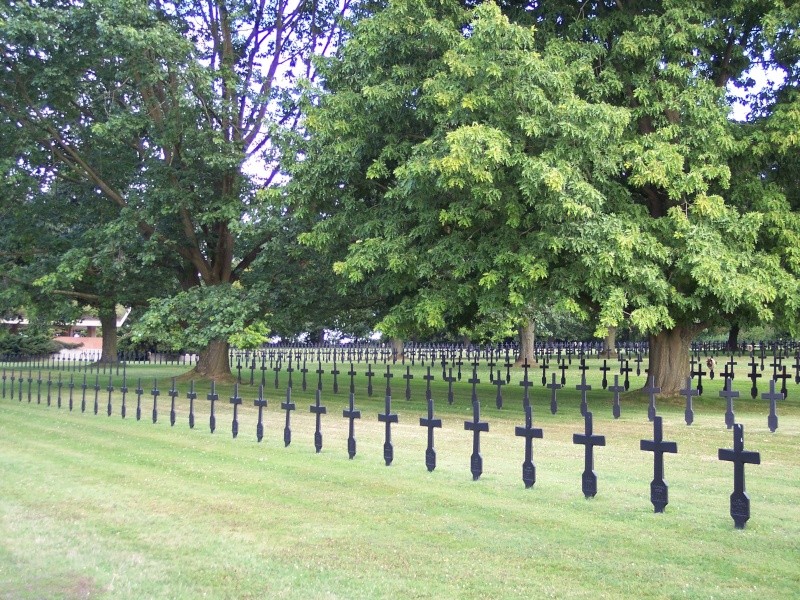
x: 92, y: 506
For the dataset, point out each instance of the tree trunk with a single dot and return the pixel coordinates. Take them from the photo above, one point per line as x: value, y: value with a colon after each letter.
x: 733, y: 338
x: 397, y: 348
x: 527, y: 339
x: 610, y: 343
x: 669, y: 359
x: 108, y: 322
x: 213, y: 361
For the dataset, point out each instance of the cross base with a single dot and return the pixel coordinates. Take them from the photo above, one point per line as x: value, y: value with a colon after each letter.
x: 589, y: 484
x: 659, y: 495
x: 528, y: 473
x: 259, y: 431
x: 317, y: 441
x: 740, y: 509
x: 388, y: 453
x: 476, y: 466
x: 430, y: 459
x: 351, y: 447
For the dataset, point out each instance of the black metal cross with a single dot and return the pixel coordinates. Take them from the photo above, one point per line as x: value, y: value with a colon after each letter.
x: 617, y: 389
x: 430, y: 422
x: 563, y: 366
x: 544, y: 366
x: 192, y: 396
x: 261, y: 403
x: 173, y: 393
x: 96, y: 393
x: 369, y: 375
x: 139, y: 393
x: 335, y: 372
x: 605, y: 369
x: 212, y: 397
x: 583, y: 388
x: 277, y: 370
x: 428, y: 378
x: 304, y: 371
x: 528, y: 432
x: 783, y: 377
x: 525, y: 383
x: 659, y: 489
x: 699, y: 374
x: 155, y: 394
x: 753, y: 375
x: 689, y: 392
x: 320, y: 373
x: 730, y: 367
x: 388, y: 417
x: 123, y: 389
x: 499, y: 383
x: 236, y: 400
x: 554, y: 387
x: 59, y: 385
x: 289, y: 370
x: 773, y: 397
x: 351, y: 413
x: 450, y: 379
x: 50, y: 383
x: 109, y: 389
x: 288, y: 406
x: 352, y: 373
x: 651, y: 390
x: 625, y: 369
x: 740, y: 501
x: 408, y: 377
x: 796, y: 368
x: 729, y: 394
x: 474, y: 381
x: 318, y: 411
x: 476, y: 426
x: 589, y: 441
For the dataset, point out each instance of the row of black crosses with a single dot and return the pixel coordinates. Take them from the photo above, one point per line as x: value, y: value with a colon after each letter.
x: 689, y: 392
x: 739, y: 500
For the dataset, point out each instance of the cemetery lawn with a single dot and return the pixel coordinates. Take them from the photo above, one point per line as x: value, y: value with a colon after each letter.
x: 93, y: 506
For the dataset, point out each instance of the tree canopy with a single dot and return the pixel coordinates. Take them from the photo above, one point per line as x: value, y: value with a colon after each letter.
x: 587, y: 160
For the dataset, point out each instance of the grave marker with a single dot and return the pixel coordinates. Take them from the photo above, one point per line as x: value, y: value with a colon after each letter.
x: 773, y: 397
x: 173, y: 393
x: 616, y: 389
x: 430, y: 422
x: 740, y: 500
x: 191, y: 395
x: 318, y: 411
x: 528, y: 432
x: 288, y: 406
x: 651, y: 390
x: 659, y: 489
x: 583, y: 388
x: 689, y: 393
x: 261, y: 403
x: 554, y: 387
x: 729, y: 394
x: 388, y: 417
x: 499, y: 383
x: 212, y: 397
x: 589, y: 441
x: 139, y: 393
x: 155, y: 394
x: 96, y: 393
x: 352, y: 414
x: 408, y: 377
x: 476, y: 426
x: 236, y: 400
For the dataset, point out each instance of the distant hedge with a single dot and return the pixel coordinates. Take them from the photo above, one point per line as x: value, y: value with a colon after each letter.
x: 28, y: 343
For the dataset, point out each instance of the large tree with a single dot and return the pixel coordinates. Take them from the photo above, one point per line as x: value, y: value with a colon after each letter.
x: 169, y: 110
x: 482, y: 167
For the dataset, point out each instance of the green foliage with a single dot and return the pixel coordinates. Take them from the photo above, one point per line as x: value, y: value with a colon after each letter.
x: 28, y: 342
x: 475, y: 168
x: 251, y: 337
x: 192, y: 319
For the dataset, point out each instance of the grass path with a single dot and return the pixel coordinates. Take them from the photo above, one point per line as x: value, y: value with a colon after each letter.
x: 99, y: 507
